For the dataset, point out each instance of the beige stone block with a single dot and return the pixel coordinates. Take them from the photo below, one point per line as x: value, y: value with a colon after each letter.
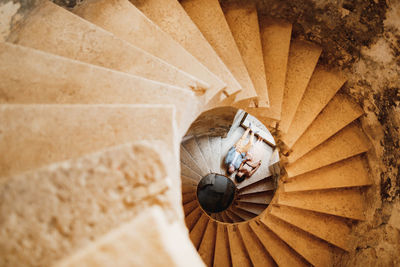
x: 222, y: 253
x: 36, y: 135
x: 207, y: 245
x: 238, y: 251
x: 243, y: 22
x: 209, y: 18
x: 332, y: 229
x: 282, y: 254
x: 53, y: 29
x: 136, y: 244
x: 322, y: 87
x: 339, y: 112
x: 124, y: 20
x: 34, y: 77
x: 170, y: 16
x: 315, y: 251
x: 47, y: 214
x: 347, y: 203
x: 303, y: 57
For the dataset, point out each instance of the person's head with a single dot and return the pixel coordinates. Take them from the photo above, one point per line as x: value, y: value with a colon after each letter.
x: 231, y: 168
x: 240, y: 176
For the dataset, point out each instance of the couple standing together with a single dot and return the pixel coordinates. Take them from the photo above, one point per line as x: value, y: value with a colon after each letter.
x: 245, y: 158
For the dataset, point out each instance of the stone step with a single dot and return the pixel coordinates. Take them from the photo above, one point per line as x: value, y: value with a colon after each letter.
x: 207, y: 245
x: 282, y: 254
x: 31, y: 76
x: 124, y: 20
x: 170, y: 16
x: 219, y: 217
x: 188, y: 181
x: 347, y: 143
x: 80, y: 199
x: 117, y: 245
x: 225, y: 217
x: 185, y: 170
x: 251, y: 207
x: 222, y: 255
x: 250, y: 181
x: 303, y: 57
x: 266, y: 184
x: 244, y: 215
x: 52, y: 29
x: 215, y: 144
x: 37, y: 135
x: 187, y: 159
x: 339, y: 112
x: 192, y: 218
x: 323, y: 86
x: 186, y: 189
x: 232, y: 216
x: 188, y: 197
x: 210, y: 19
x: 259, y: 198
x: 315, y: 251
x: 192, y: 147
x: 258, y: 255
x: 196, y: 234
x: 275, y: 40
x: 330, y: 228
x: 239, y: 254
x: 205, y: 148
x: 348, y: 203
x: 189, y: 207
x: 347, y: 173
x: 243, y: 23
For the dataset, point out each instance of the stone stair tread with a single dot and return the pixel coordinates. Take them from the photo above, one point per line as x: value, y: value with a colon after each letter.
x: 266, y: 184
x: 282, y: 254
x: 322, y: 87
x: 275, y: 40
x: 188, y: 188
x: 330, y: 228
x: 239, y: 254
x: 257, y: 253
x: 347, y: 203
x: 188, y: 197
x: 53, y: 29
x: 37, y: 137
x: 125, y: 21
x: 252, y: 207
x: 188, y: 181
x: 189, y: 207
x: 339, y: 112
x: 303, y: 57
x: 210, y: 19
x: 205, y: 148
x: 234, y: 218
x: 215, y: 144
x: 222, y: 254
x: 250, y: 181
x: 244, y: 215
x: 349, y: 142
x: 117, y: 245
x: 347, y: 173
x: 315, y: 251
x: 243, y: 23
x: 196, y: 234
x: 207, y: 245
x: 31, y: 76
x: 188, y: 160
x: 185, y: 170
x: 259, y: 198
x: 225, y: 218
x: 192, y: 147
x: 192, y: 218
x: 170, y: 16
x: 69, y: 193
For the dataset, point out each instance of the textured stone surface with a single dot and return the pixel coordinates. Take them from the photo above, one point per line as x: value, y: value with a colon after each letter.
x: 168, y: 240
x: 63, y: 207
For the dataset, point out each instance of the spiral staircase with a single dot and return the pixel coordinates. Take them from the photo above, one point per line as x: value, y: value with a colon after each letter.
x: 96, y: 99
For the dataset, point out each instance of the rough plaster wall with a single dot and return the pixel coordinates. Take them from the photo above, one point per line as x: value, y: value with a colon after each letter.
x: 362, y: 38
